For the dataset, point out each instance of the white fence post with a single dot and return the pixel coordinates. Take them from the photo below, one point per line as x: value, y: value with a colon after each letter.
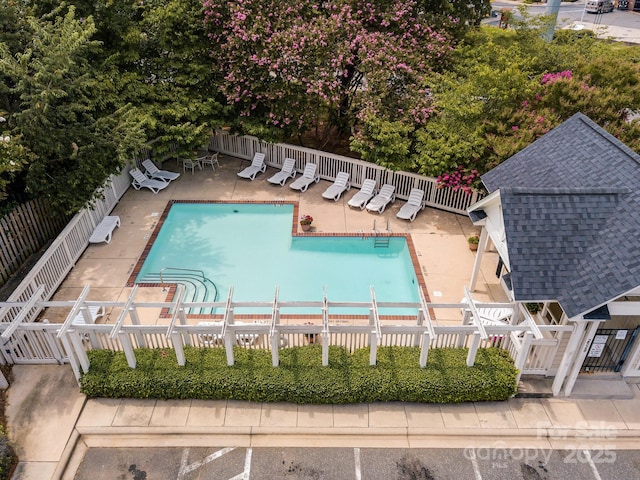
x: 521, y: 360
x: 473, y: 349
x: 424, y: 349
x: 325, y: 348
x: 229, y: 340
x: 275, y: 349
x: 176, y: 339
x: 72, y: 359
x: 78, y: 350
x: 127, y: 346
x: 373, y: 352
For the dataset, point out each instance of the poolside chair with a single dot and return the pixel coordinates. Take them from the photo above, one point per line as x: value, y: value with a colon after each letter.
x: 94, y: 311
x: 257, y: 166
x: 103, y: 231
x: 340, y: 184
x: 211, y: 158
x: 360, y: 199
x: 287, y: 171
x: 141, y: 180
x: 490, y: 316
x: 154, y: 172
x: 210, y: 339
x: 414, y: 204
x: 382, y: 199
x: 308, y: 177
x: 191, y: 163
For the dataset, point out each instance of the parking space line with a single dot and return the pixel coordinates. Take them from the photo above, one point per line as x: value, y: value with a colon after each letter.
x: 247, y: 464
x: 587, y: 455
x: 474, y: 464
x: 356, y: 455
x: 184, y: 468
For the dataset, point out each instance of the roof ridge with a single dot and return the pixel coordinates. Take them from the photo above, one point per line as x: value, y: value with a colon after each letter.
x: 606, y: 135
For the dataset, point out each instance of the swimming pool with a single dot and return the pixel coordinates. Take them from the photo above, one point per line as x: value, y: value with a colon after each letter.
x: 250, y: 246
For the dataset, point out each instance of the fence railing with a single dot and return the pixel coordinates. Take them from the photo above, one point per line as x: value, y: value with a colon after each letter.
x: 329, y: 164
x: 42, y: 342
x: 23, y: 231
x: 65, y: 250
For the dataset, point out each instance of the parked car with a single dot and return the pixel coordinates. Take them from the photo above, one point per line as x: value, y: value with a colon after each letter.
x: 599, y: 6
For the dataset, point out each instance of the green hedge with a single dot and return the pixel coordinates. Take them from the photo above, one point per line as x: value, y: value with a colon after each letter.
x: 301, y: 378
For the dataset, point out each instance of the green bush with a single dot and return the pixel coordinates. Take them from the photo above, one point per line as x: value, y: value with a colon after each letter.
x: 7, y: 456
x: 301, y: 378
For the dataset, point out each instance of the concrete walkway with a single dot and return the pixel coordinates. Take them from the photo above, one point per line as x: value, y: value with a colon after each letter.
x: 51, y: 424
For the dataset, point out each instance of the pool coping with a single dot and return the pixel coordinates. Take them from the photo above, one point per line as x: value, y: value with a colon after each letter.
x: 172, y: 287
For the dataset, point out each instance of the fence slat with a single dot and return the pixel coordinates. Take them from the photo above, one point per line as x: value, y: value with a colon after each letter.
x: 329, y: 164
x: 23, y: 231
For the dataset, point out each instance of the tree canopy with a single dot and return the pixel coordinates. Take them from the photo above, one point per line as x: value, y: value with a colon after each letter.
x: 407, y: 84
x: 299, y: 67
x: 83, y: 87
x: 506, y: 88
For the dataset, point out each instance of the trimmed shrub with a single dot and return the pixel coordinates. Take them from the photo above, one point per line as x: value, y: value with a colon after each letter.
x: 301, y: 378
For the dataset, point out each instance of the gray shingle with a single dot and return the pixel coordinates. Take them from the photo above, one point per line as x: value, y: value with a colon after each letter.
x: 572, y: 216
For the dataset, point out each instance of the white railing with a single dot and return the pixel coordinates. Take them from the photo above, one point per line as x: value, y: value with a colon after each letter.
x: 65, y: 250
x: 330, y: 164
x: 39, y: 342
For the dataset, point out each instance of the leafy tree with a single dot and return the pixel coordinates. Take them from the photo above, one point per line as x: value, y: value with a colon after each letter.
x: 507, y: 88
x: 83, y: 87
x: 71, y: 148
x: 293, y: 68
x: 155, y: 56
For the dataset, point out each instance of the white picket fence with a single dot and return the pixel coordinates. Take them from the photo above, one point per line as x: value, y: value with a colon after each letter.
x: 329, y: 164
x: 52, y: 268
x: 25, y: 340
x: 41, y: 342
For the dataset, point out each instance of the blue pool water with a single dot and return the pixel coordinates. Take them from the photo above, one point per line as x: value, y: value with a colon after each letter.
x: 250, y: 247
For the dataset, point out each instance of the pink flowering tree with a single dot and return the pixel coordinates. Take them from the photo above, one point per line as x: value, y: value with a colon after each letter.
x: 324, y: 68
x: 562, y: 94
x: 603, y: 88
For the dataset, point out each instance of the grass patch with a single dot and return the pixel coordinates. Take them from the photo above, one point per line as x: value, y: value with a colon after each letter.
x: 301, y: 378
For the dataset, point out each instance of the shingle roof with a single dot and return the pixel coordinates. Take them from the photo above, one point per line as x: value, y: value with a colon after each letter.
x: 571, y: 211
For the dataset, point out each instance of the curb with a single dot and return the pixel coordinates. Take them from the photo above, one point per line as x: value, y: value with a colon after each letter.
x: 554, y: 434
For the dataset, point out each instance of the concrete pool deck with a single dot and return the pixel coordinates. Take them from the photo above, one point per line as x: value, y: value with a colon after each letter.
x: 47, y: 414
x: 439, y: 237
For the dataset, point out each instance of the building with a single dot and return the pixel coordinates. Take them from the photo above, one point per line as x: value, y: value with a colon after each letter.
x: 564, y: 217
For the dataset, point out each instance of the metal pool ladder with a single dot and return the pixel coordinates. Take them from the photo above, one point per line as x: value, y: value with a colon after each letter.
x: 381, y: 239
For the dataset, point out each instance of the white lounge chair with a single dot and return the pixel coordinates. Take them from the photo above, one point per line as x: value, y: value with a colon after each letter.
x: 360, y: 199
x: 257, y: 166
x: 340, y: 184
x: 94, y: 311
x: 287, y: 171
x: 308, y: 177
x: 141, y: 180
x: 382, y: 199
x: 414, y: 204
x: 104, y: 229
x: 154, y: 172
x: 491, y: 316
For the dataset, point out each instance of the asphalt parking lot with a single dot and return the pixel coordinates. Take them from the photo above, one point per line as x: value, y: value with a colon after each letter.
x: 501, y: 463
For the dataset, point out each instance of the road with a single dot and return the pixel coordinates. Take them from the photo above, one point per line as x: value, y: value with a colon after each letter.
x: 498, y: 463
x: 571, y: 13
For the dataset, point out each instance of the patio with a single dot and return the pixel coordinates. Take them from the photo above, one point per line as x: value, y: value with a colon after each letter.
x: 439, y: 238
